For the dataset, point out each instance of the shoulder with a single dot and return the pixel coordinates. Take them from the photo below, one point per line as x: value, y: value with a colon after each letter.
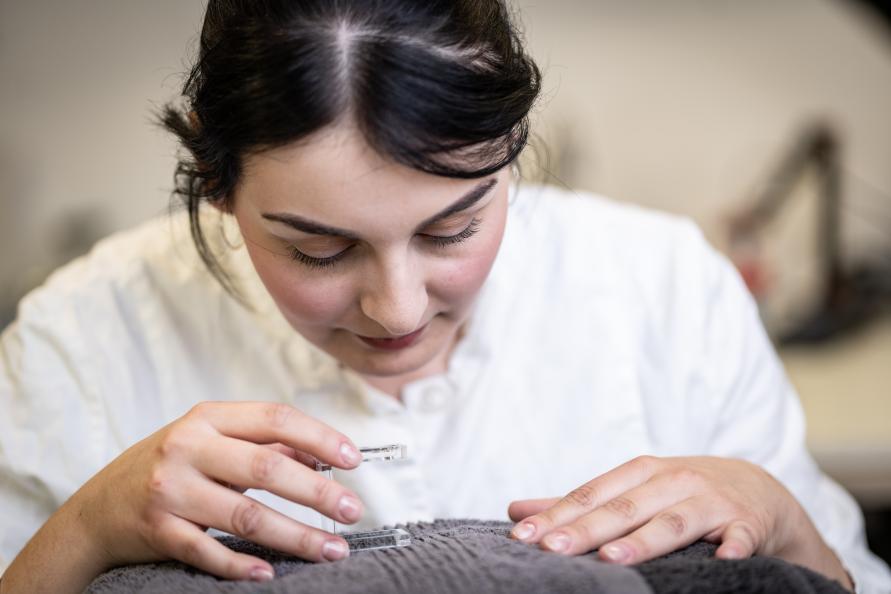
x: 153, y: 259
x: 130, y: 284
x: 609, y: 245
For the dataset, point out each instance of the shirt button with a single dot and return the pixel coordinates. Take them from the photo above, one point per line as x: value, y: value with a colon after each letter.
x: 433, y: 399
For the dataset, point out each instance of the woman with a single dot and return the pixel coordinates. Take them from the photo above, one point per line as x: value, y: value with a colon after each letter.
x: 377, y: 279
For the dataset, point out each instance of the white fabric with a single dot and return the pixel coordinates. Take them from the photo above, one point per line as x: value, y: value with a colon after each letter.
x: 603, y: 332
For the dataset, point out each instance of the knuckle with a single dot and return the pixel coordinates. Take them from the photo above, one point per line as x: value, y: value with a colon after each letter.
x: 676, y: 523
x: 543, y: 520
x: 159, y: 484
x: 687, y: 476
x: 231, y: 566
x: 303, y: 544
x: 152, y: 537
x: 200, y: 410
x: 173, y: 445
x: 191, y: 550
x: 585, y: 530
x: 263, y: 466
x: 584, y: 496
x: 279, y: 414
x: 639, y: 547
x: 246, y: 517
x: 322, y: 490
x: 149, y: 530
x: 622, y: 506
x: 645, y: 462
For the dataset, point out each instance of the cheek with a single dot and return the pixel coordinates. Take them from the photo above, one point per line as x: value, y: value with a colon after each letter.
x: 304, y: 299
x: 459, y: 281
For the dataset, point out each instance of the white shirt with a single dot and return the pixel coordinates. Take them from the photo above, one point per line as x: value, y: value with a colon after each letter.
x: 602, y: 333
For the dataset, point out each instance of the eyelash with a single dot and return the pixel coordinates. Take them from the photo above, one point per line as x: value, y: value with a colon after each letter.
x: 467, y: 233
x: 437, y: 240
x: 314, y: 262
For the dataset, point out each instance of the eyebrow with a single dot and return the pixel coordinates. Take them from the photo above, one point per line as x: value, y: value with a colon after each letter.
x: 308, y: 226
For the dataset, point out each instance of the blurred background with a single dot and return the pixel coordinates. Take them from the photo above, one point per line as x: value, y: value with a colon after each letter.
x: 768, y: 123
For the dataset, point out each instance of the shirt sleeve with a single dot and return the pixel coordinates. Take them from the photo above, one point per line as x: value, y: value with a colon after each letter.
x: 52, y: 418
x: 760, y: 419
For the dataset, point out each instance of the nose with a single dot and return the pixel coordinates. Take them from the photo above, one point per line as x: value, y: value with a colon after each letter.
x: 395, y: 296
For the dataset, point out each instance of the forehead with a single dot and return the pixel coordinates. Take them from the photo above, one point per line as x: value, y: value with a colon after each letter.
x: 335, y: 177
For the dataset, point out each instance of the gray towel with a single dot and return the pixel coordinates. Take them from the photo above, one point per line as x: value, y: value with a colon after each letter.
x: 475, y: 556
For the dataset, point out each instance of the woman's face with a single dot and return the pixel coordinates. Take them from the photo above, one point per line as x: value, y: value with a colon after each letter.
x: 373, y: 262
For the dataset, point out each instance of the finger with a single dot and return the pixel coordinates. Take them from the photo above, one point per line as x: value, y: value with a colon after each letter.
x: 265, y: 422
x: 617, y: 517
x: 184, y: 542
x: 307, y: 460
x: 738, y: 541
x: 523, y: 508
x: 254, y: 466
x: 303, y: 458
x: 669, y: 530
x: 236, y: 488
x: 209, y: 504
x: 585, y: 498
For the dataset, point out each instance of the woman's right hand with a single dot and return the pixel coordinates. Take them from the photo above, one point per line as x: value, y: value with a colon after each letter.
x: 156, y: 500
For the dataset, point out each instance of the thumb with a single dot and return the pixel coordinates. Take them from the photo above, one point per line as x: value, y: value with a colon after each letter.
x: 523, y: 508
x: 737, y: 542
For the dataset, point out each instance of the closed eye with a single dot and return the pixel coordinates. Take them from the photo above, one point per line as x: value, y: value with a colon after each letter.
x: 314, y: 262
x: 446, y: 240
x: 440, y: 241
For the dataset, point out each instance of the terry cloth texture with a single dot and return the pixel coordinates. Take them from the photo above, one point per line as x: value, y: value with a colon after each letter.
x: 476, y: 556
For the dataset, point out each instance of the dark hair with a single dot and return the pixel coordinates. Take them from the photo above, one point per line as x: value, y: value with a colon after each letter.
x: 442, y: 86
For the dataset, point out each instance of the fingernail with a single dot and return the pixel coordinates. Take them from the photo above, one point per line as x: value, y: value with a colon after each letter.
x: 333, y: 550
x: 350, y: 454
x: 261, y: 574
x: 615, y: 552
x: 523, y: 531
x: 349, y: 508
x: 557, y: 542
x: 731, y: 553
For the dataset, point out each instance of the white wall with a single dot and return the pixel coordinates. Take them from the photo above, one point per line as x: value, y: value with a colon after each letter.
x: 685, y: 105
x: 78, y: 81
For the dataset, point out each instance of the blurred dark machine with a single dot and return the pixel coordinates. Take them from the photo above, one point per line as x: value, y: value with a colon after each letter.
x: 851, y: 294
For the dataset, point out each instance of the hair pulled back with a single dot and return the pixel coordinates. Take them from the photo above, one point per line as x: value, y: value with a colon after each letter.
x: 441, y: 86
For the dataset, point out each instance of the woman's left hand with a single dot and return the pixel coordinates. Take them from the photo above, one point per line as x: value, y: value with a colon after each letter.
x: 651, y: 506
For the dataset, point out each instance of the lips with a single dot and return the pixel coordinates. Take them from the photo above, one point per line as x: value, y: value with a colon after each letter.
x: 393, y: 344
